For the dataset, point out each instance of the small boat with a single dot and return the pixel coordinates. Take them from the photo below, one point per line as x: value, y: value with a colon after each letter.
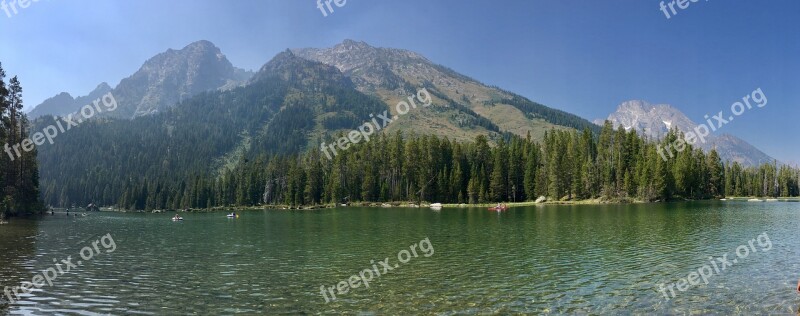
x: 233, y: 215
x: 177, y: 218
x: 499, y: 208
x: 755, y: 200
x: 436, y: 206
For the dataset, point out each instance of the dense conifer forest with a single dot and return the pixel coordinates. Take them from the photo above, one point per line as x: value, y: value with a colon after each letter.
x: 19, y: 174
x: 615, y: 166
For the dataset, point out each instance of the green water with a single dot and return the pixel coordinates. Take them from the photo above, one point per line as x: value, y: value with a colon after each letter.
x: 532, y: 260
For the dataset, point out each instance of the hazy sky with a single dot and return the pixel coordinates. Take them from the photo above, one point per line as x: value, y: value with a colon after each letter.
x: 584, y: 57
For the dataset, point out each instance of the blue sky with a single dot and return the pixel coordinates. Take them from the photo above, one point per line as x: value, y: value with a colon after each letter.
x: 584, y: 57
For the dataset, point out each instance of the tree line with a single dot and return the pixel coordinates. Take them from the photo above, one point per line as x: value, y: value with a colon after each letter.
x: 19, y: 175
x: 614, y: 166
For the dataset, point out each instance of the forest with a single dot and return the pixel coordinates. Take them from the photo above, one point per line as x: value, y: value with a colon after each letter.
x: 615, y: 166
x: 19, y: 174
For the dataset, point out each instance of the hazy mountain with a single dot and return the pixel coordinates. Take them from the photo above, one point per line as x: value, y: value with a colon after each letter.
x: 174, y: 76
x: 469, y: 108
x: 473, y: 107
x: 163, y: 81
x: 655, y: 121
x: 289, y: 105
x: 63, y: 103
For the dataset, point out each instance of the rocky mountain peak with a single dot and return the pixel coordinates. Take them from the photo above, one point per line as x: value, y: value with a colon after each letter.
x: 289, y: 67
x: 63, y: 103
x: 654, y: 121
x: 63, y: 95
x: 352, y: 57
x: 354, y: 45
x: 651, y: 120
x: 161, y: 82
x: 635, y: 106
x: 60, y: 104
x: 103, y: 86
x: 173, y: 76
x: 469, y: 107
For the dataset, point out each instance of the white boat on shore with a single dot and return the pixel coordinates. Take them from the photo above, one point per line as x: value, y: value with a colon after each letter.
x: 755, y: 200
x: 436, y: 206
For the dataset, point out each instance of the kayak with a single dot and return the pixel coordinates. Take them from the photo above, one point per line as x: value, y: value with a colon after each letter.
x: 177, y: 219
x: 498, y: 209
x: 233, y: 216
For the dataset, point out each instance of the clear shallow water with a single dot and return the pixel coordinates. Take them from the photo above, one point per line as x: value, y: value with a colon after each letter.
x: 550, y: 259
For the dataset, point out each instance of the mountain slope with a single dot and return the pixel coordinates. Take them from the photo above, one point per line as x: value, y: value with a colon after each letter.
x: 655, y: 121
x: 393, y: 74
x: 289, y: 105
x: 162, y: 81
x: 63, y: 103
x: 174, y: 76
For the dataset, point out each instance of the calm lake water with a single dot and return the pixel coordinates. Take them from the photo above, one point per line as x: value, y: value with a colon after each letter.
x: 532, y: 260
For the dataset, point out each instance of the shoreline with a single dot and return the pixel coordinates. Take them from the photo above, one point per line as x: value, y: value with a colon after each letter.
x: 406, y: 204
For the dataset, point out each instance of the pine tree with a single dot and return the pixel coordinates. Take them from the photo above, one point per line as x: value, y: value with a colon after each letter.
x: 498, y: 189
x: 531, y: 168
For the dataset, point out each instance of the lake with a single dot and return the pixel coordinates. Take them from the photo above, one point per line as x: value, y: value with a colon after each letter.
x: 583, y: 259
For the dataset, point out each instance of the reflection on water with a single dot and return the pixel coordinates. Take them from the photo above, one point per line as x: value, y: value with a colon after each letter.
x: 556, y: 259
x: 17, y: 254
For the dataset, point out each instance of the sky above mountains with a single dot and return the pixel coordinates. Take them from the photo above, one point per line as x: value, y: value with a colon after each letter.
x: 584, y: 57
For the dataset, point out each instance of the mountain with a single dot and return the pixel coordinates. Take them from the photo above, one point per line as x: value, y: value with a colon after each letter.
x: 473, y: 108
x: 287, y: 107
x: 654, y: 121
x: 164, y: 80
x: 291, y: 105
x: 63, y: 103
x: 241, y: 141
x: 470, y: 108
x: 174, y: 76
